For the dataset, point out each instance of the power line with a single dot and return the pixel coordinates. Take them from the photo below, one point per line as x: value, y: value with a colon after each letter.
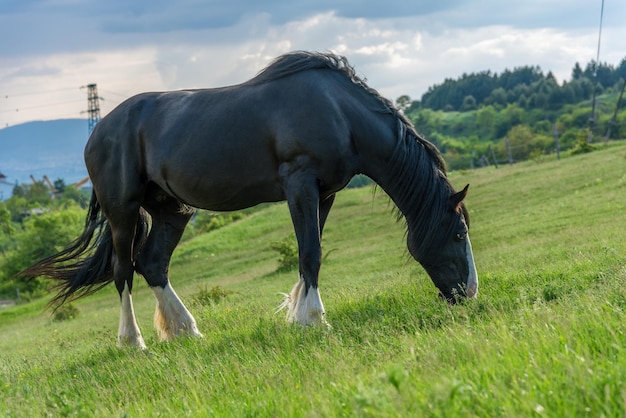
x: 32, y: 93
x: 124, y: 96
x: 93, y: 99
x: 592, y: 118
x: 38, y: 106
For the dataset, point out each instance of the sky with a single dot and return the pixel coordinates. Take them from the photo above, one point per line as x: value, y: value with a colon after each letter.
x: 49, y: 49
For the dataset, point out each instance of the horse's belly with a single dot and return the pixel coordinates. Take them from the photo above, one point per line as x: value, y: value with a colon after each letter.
x: 227, y: 196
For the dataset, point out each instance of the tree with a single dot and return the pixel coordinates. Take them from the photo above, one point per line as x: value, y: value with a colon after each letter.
x: 514, y: 114
x: 6, y: 226
x: 41, y: 236
x: 17, y: 206
x: 577, y: 72
x: 519, y: 139
x: 72, y: 194
x: 486, y: 118
x: 590, y: 70
x: 59, y: 185
x: 539, y: 100
x: 37, y: 193
x: 525, y: 143
x: 403, y: 102
x: 469, y: 103
x: 522, y: 101
x: 583, y: 88
x: 497, y: 97
x: 621, y: 69
x: 526, y: 75
x: 556, y: 98
x: 606, y: 75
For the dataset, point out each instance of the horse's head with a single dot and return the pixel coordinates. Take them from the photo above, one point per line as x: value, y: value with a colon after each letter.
x: 449, y: 260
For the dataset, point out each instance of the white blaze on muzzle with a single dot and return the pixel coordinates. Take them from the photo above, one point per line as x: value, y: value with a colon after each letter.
x: 472, y: 279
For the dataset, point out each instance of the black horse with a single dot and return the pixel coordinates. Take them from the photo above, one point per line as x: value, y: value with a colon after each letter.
x: 298, y: 131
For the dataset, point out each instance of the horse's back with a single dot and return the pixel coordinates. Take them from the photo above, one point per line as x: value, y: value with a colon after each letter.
x: 222, y: 149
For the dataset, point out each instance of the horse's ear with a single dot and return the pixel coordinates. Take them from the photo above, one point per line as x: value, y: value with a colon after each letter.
x: 457, y: 198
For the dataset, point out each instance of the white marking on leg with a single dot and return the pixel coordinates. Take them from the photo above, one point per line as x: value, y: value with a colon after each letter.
x: 128, y: 333
x: 472, y: 279
x: 171, y: 317
x: 305, y: 308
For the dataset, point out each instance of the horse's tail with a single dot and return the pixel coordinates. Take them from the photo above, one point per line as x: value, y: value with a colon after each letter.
x: 86, y: 265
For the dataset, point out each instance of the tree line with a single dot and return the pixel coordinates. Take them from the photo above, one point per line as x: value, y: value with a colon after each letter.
x: 472, y: 119
x: 527, y: 86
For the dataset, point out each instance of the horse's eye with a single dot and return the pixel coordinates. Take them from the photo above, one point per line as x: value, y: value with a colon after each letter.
x: 460, y: 236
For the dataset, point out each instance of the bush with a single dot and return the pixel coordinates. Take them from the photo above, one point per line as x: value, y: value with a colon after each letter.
x: 360, y: 180
x: 206, y: 297
x: 65, y: 313
x: 582, y: 147
x: 206, y: 221
x: 536, y: 155
x: 288, y: 251
x: 568, y: 138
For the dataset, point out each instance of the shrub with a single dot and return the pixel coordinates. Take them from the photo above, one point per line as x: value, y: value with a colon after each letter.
x: 359, y: 180
x: 207, y: 221
x: 582, y: 147
x: 288, y: 251
x: 211, y: 296
x: 65, y: 313
x: 536, y: 155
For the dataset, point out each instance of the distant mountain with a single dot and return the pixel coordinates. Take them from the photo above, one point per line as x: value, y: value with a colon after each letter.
x: 52, y: 148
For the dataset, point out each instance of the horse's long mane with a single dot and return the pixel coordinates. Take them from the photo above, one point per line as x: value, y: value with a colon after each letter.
x: 417, y: 179
x: 298, y: 61
x: 420, y: 189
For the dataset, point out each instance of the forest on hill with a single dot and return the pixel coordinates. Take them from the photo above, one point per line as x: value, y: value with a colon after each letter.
x: 473, y: 118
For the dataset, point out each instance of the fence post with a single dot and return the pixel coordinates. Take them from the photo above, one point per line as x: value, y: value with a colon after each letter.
x: 493, y: 155
x: 508, y: 150
x: 556, y: 141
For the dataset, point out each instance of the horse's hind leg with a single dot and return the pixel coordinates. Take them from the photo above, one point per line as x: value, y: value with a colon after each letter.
x: 128, y: 331
x: 171, y: 317
x: 123, y: 227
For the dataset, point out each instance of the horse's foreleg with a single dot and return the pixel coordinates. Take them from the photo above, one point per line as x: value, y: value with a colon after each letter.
x: 304, y: 304
x: 171, y: 317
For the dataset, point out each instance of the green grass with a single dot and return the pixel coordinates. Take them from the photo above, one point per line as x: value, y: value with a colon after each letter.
x: 546, y: 336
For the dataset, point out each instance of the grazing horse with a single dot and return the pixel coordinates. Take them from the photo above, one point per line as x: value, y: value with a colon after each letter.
x: 298, y: 131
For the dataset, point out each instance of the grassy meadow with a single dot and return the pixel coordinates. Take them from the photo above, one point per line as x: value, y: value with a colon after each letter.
x: 546, y: 336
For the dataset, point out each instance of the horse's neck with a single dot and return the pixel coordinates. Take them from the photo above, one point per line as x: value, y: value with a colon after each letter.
x: 375, y: 145
x: 397, y: 167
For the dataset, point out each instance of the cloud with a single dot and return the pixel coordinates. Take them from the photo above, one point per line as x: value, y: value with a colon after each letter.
x: 366, y: 43
x: 395, y: 58
x: 400, y: 47
x: 9, y: 73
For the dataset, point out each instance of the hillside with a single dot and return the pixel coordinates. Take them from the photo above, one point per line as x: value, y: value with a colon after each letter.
x: 526, y: 86
x: 545, y: 336
x: 488, y: 118
x: 476, y: 138
x: 52, y: 148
